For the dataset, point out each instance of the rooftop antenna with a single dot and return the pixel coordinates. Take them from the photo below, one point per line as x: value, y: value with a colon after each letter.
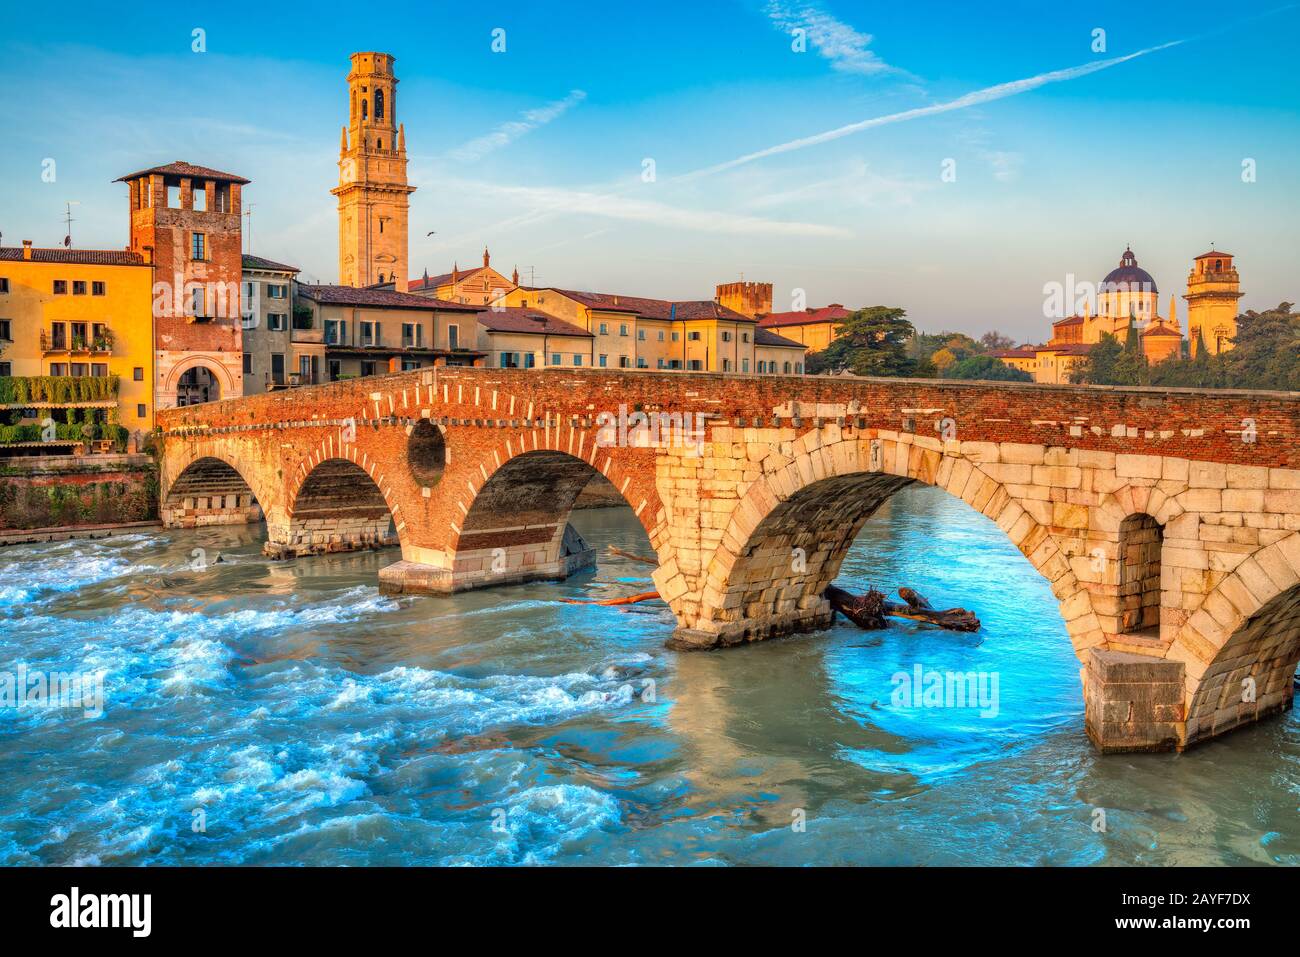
x: 248, y: 228
x: 68, y: 221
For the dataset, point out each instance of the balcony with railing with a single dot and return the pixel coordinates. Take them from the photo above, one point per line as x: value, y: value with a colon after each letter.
x: 58, y: 340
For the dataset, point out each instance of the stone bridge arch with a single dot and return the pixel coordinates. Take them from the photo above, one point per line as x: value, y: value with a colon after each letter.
x: 211, y: 481
x: 507, y: 504
x: 335, y: 503
x: 816, y: 499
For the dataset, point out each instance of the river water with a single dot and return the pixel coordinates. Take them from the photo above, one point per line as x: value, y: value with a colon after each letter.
x: 261, y: 712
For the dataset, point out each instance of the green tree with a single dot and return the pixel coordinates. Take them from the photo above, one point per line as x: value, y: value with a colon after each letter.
x: 987, y: 368
x: 873, y: 341
x: 1099, y: 366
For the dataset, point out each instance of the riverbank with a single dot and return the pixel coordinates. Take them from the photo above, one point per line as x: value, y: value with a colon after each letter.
x: 49, y: 494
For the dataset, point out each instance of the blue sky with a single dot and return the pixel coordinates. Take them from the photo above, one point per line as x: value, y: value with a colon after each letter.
x: 538, y: 151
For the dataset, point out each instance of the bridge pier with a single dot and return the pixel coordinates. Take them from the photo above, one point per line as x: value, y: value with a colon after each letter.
x: 1133, y: 702
x: 562, y: 553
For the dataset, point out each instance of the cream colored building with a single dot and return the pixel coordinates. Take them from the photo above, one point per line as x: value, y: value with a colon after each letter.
x: 377, y: 331
x: 513, y: 337
x: 475, y: 287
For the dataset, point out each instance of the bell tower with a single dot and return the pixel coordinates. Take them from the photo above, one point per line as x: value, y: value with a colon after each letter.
x: 372, y: 191
x: 1213, y: 288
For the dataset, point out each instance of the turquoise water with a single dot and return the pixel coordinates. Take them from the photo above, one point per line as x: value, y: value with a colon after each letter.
x: 286, y: 713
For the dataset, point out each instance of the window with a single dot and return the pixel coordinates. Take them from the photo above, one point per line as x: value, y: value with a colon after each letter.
x: 369, y: 333
x: 197, y: 302
x: 675, y: 336
x: 6, y: 332
x: 509, y: 360
x: 367, y: 366
x: 624, y: 362
x: 661, y: 335
x: 78, y: 368
x: 744, y: 365
x: 555, y: 358
x: 798, y: 368
x: 78, y: 335
x: 659, y: 364
x: 277, y: 368
x: 530, y: 360
x: 199, y: 197
x: 693, y: 336
x: 726, y: 365
x: 97, y: 289
x: 99, y: 369
x: 198, y: 246
x: 335, y: 332
x: 640, y: 335
x: 695, y: 365
x: 577, y: 359
x: 173, y: 197
x: 762, y: 365
x: 622, y: 328
x: 641, y: 363
x: 276, y: 321
x: 137, y: 374
x: 379, y: 104
x: 336, y: 369
x: 276, y: 291
x: 674, y: 363
x: 58, y: 368
x: 4, y: 284
x: 60, y: 287
x: 604, y: 329
x: 412, y: 335
x: 223, y: 197
x: 744, y: 337
x: 6, y: 369
x: 248, y: 363
x: 453, y: 337
x: 78, y: 287
x: 604, y: 361
x: 726, y: 336
x: 409, y: 364
x: 787, y: 368
x: 139, y: 410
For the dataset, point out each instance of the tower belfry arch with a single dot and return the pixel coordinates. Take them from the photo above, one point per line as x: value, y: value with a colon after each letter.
x: 373, y: 192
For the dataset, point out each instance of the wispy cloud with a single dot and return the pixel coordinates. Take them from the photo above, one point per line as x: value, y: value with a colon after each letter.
x: 540, y: 202
x: 845, y: 48
x: 976, y: 98
x: 507, y: 133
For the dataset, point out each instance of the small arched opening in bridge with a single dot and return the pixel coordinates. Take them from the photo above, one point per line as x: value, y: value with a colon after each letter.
x: 426, y: 453
x: 196, y: 386
x: 337, y: 508
x: 519, y: 527
x: 195, y: 381
x: 1141, y: 539
x: 209, y: 491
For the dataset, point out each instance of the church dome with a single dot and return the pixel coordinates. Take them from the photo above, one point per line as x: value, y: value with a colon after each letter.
x: 1128, y: 276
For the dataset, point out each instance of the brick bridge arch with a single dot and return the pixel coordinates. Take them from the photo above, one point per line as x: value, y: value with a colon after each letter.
x: 1165, y: 520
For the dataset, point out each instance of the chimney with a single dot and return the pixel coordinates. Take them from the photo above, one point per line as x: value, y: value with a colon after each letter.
x: 27, y: 249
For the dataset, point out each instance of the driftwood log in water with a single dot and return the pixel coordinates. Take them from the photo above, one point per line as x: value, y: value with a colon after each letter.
x: 869, y: 610
x: 636, y: 558
x: 629, y: 600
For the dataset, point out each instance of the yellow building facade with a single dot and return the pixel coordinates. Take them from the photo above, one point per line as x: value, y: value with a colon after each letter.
x: 81, y: 312
x: 633, y: 332
x: 814, y: 329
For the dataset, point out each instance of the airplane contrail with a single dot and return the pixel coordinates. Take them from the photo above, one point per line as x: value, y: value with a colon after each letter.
x: 986, y: 95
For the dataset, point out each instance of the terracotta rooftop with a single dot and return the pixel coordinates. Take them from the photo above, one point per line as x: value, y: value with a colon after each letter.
x: 1069, y: 321
x: 1215, y: 254
x: 257, y: 262
x: 1162, y: 328
x: 79, y: 257
x: 532, y: 321
x: 184, y: 169
x: 832, y: 313
x: 649, y: 308
x: 765, y: 337
x: 433, y: 282
x: 380, y: 298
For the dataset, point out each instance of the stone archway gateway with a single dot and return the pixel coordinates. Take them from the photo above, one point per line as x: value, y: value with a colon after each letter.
x: 1165, y: 521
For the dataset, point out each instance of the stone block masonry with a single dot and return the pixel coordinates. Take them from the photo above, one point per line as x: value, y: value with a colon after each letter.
x: 69, y: 491
x: 1166, y: 522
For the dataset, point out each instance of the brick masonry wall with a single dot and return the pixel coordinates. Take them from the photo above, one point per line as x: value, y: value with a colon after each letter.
x: 45, y: 492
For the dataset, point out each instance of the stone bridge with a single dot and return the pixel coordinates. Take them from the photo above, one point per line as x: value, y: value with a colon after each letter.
x: 1166, y: 522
